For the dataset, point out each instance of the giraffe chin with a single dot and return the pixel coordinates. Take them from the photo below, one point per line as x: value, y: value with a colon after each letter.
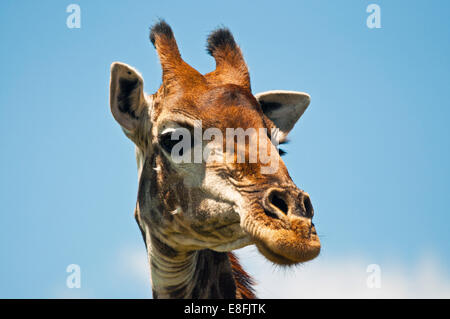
x: 295, y: 258
x: 286, y: 247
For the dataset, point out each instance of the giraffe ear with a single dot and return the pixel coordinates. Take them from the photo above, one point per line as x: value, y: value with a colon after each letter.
x: 283, y: 108
x: 127, y: 99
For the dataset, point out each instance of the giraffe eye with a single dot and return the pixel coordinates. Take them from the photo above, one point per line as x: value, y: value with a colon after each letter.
x: 167, y: 142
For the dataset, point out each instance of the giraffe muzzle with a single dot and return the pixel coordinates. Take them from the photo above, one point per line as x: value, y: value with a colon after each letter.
x: 283, y: 230
x: 280, y: 203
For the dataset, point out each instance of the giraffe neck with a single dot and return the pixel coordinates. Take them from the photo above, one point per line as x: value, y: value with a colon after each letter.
x: 198, y: 274
x: 183, y: 274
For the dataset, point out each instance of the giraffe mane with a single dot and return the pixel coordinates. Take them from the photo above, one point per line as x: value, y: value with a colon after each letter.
x: 244, y: 283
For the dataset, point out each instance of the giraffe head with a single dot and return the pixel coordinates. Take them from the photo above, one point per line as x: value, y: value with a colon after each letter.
x: 194, y: 190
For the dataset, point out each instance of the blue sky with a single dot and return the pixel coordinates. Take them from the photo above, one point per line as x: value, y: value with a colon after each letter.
x: 372, y: 150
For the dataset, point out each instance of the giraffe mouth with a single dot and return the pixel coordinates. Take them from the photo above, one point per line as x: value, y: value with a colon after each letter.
x: 289, y: 242
x: 272, y: 256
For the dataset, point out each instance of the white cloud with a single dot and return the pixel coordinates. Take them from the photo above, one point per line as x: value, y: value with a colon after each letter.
x: 346, y: 278
x: 325, y: 277
x: 133, y: 262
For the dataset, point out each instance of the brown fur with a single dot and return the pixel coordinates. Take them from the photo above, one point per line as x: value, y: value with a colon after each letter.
x: 244, y: 283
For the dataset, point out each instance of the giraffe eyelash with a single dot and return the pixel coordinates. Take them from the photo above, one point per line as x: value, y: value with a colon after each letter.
x: 282, y: 152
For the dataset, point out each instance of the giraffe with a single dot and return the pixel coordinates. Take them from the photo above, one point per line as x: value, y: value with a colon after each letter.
x: 192, y: 215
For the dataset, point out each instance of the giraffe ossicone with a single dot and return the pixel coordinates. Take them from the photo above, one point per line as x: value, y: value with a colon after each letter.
x: 231, y: 188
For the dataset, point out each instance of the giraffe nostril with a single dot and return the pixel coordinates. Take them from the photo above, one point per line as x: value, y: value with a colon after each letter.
x: 279, y: 203
x: 309, y: 210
